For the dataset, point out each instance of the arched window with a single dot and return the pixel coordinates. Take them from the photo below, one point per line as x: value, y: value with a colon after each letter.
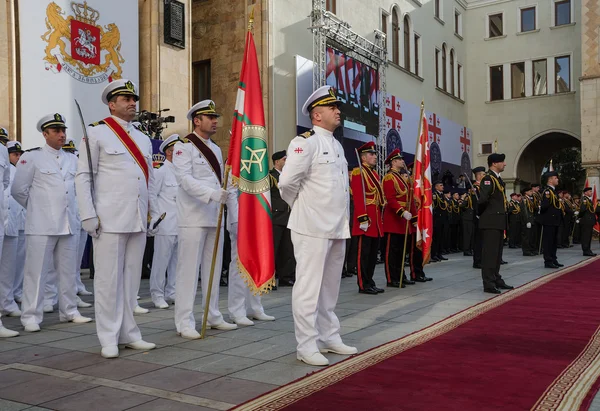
x: 444, y: 70
x: 406, y: 43
x: 452, y: 71
x: 395, y: 37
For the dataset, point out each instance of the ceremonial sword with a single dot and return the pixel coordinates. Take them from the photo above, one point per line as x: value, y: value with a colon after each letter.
x: 87, y: 151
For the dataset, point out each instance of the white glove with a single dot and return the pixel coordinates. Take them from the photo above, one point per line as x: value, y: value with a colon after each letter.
x: 219, y: 196
x: 364, y: 225
x: 233, y: 228
x: 151, y: 232
x: 576, y: 213
x: 528, y: 225
x: 577, y: 221
x: 406, y: 215
x: 91, y: 226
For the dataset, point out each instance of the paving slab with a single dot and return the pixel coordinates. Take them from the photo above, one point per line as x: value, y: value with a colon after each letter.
x: 43, y: 389
x: 228, y: 389
x: 99, y: 399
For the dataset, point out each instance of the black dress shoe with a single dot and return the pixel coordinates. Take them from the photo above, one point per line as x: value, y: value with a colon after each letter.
x: 421, y: 279
x: 369, y: 290
x: 434, y: 260
x: 558, y: 264
x: 477, y: 265
x: 468, y: 254
x: 502, y: 262
x: 589, y: 254
x: 550, y: 265
x: 529, y: 254
x: 441, y: 257
x: 493, y: 290
x: 407, y: 281
x: 395, y: 284
x: 379, y: 290
x: 505, y: 287
x: 512, y: 246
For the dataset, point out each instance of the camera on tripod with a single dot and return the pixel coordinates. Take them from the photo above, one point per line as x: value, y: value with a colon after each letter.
x: 153, y: 124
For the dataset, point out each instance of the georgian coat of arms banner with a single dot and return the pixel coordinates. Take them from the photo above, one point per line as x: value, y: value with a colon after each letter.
x: 72, y: 50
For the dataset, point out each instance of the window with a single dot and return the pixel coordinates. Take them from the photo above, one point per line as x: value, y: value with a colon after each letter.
x: 496, y: 83
x: 459, y: 81
x: 330, y: 6
x: 437, y: 9
x: 437, y: 67
x: 486, y: 148
x: 395, y: 35
x: 457, y: 23
x: 201, y: 80
x: 528, y: 19
x: 444, y: 74
x: 452, y: 72
x: 417, y: 40
x: 384, y: 17
x: 563, y: 74
x: 406, y: 43
x: 517, y: 72
x: 540, y: 77
x: 562, y: 12
x: 495, y: 22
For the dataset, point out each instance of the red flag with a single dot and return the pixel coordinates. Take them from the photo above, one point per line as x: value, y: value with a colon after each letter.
x: 249, y: 162
x: 422, y: 193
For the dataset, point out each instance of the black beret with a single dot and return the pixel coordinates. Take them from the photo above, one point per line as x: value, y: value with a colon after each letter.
x: 278, y: 155
x: 534, y: 185
x: 436, y: 182
x: 525, y: 189
x: 478, y: 169
x: 587, y: 189
x: 447, y: 190
x: 495, y: 158
x: 549, y: 174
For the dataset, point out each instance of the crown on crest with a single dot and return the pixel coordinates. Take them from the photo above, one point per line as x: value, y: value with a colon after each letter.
x: 85, y: 13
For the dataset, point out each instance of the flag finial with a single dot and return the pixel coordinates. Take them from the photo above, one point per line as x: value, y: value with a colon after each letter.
x: 251, y: 19
x: 496, y: 146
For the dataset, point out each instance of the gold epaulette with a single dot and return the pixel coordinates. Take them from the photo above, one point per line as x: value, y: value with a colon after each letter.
x: 307, y: 134
x: 158, y: 165
x: 273, y: 181
x: 356, y: 171
x: 97, y: 123
x: 388, y: 177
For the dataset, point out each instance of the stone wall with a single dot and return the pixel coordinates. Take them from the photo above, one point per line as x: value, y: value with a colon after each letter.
x: 8, y: 103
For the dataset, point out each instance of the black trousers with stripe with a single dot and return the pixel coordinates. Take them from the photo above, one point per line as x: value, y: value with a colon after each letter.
x: 367, y: 259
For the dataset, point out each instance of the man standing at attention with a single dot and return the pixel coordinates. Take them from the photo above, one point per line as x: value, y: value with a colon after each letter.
x: 117, y: 214
x: 314, y: 183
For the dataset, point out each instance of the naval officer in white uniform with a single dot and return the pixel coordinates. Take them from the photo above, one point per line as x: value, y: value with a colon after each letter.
x: 116, y: 218
x: 163, y: 196
x: 199, y: 170
x: 314, y: 182
x: 44, y: 184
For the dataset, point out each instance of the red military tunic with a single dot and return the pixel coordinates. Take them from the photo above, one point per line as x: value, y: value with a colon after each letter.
x: 375, y: 200
x: 396, y: 188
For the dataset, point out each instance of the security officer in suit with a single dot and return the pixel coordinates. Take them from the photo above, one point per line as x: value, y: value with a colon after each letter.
x: 551, y: 215
x: 44, y: 184
x: 527, y: 217
x: 285, y: 263
x: 440, y: 217
x: 587, y: 221
x: 117, y: 217
x: 368, y: 202
x: 492, y: 208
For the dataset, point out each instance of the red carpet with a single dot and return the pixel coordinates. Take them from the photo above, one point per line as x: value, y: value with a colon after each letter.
x: 536, y: 347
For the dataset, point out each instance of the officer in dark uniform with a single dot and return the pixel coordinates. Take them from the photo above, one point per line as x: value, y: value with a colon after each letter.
x: 514, y: 222
x: 454, y: 221
x: 537, y: 198
x: 527, y: 216
x: 479, y: 173
x: 587, y: 221
x: 492, y: 223
x: 467, y: 219
x: 576, y: 225
x: 440, y: 215
x: 285, y: 263
x: 551, y: 217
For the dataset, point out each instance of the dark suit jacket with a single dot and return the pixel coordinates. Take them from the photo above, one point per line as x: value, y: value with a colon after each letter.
x: 279, y: 208
x: 492, y: 203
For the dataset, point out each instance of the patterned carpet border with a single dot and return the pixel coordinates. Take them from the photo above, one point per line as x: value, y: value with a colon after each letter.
x: 306, y: 386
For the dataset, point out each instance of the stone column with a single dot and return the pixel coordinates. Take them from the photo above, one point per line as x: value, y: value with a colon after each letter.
x: 8, y: 67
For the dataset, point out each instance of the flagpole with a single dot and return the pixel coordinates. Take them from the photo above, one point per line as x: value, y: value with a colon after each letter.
x: 410, y: 193
x: 214, y: 256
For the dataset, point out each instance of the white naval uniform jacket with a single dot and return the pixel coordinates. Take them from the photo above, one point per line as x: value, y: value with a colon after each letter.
x: 163, y: 197
x: 315, y: 183
x: 197, y: 181
x: 121, y: 193
x: 5, y: 176
x: 44, y: 184
x: 14, y: 212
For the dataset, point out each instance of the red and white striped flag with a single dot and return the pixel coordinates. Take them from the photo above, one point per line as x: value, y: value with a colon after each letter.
x: 422, y: 193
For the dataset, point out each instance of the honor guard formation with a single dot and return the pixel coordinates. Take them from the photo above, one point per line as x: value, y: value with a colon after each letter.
x: 329, y: 221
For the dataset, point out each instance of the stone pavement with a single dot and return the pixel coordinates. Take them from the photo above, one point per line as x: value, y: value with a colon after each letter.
x: 60, y: 368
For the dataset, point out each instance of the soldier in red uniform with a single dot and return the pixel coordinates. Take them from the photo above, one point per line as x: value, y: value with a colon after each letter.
x: 367, y: 217
x: 397, y: 215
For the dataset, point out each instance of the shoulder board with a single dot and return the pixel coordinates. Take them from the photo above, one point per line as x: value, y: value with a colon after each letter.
x: 273, y: 180
x: 356, y: 171
x: 97, y: 123
x: 307, y: 134
x: 33, y: 149
x: 158, y: 165
x: 388, y: 176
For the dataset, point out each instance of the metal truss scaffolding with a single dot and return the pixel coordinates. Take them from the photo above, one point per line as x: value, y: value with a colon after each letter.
x: 327, y: 28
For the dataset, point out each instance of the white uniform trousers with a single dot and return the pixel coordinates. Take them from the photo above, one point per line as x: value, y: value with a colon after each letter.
x: 240, y: 300
x: 40, y: 249
x: 195, y: 250
x: 51, y: 287
x: 164, y: 262
x: 20, y: 265
x: 8, y: 272
x: 118, y: 264
x: 319, y: 264
x: 83, y: 235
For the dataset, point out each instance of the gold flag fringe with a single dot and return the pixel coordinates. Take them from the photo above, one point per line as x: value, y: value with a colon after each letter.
x: 263, y: 289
